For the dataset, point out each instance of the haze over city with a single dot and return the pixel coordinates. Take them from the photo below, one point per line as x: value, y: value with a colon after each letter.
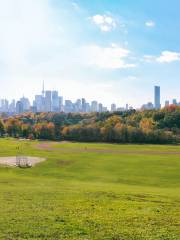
x: 110, y: 51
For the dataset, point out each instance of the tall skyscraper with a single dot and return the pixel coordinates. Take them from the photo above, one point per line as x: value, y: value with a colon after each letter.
x: 12, y: 106
x: 19, y: 107
x: 113, y: 107
x: 39, y: 103
x: 78, y: 105
x: 68, y: 106
x: 88, y: 107
x: 157, y: 97
x: 100, y: 107
x: 174, y: 102
x: 83, y: 105
x: 127, y: 107
x: 48, y: 95
x: 4, y: 105
x: 61, y: 107
x: 26, y: 104
x: 94, y: 106
x: 55, y: 101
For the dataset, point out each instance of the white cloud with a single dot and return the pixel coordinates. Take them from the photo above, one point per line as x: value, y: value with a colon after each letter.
x: 168, y: 57
x: 150, y: 24
x: 75, y: 6
x: 104, y: 22
x: 165, y: 57
x: 113, y: 57
x: 149, y: 58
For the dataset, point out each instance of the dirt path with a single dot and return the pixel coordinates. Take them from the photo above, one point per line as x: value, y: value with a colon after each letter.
x: 49, y: 147
x: 46, y: 146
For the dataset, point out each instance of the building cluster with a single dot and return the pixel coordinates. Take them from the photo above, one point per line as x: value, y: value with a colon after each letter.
x: 48, y: 101
x: 157, y: 101
x: 51, y: 101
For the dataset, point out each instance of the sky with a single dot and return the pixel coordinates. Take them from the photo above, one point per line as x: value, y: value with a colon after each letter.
x: 111, y: 51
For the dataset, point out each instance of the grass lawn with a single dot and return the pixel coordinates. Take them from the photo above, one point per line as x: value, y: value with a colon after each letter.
x: 91, y: 192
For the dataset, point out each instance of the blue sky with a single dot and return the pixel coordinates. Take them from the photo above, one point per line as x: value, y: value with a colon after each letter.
x: 112, y: 51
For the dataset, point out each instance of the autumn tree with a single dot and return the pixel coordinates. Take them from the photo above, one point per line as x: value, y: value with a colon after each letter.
x: 13, y: 127
x: 2, y: 130
x: 146, y: 124
x: 44, y: 131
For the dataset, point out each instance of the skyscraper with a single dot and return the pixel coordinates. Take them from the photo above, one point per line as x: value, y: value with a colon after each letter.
x: 48, y: 95
x: 61, y: 107
x: 88, y: 107
x: 4, y: 105
x: 19, y: 107
x: 55, y: 101
x: 12, y: 106
x: 157, y: 97
x: 113, y: 107
x: 78, y: 105
x: 100, y: 107
x: 94, y: 106
x: 174, y: 102
x: 68, y: 106
x: 83, y: 105
x: 127, y: 107
x: 26, y: 104
x: 39, y: 103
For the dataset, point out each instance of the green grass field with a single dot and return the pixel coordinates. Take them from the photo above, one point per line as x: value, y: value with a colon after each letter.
x: 91, y: 192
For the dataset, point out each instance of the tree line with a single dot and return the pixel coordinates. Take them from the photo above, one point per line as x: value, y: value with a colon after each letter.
x: 150, y: 126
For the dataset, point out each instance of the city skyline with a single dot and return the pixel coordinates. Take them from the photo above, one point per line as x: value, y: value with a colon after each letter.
x: 52, y: 101
x: 164, y: 101
x: 116, y: 50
